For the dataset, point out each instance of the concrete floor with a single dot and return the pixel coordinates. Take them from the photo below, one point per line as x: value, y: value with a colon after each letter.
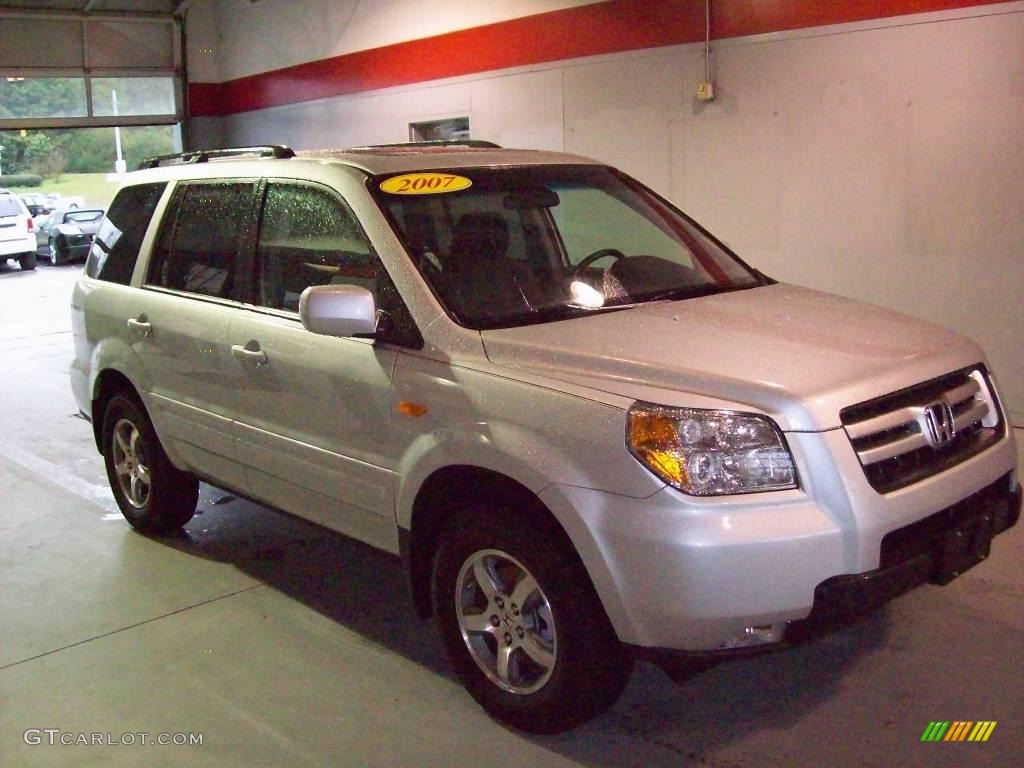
x: 286, y: 645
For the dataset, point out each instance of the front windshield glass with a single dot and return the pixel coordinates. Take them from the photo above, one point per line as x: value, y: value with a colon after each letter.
x: 523, y: 245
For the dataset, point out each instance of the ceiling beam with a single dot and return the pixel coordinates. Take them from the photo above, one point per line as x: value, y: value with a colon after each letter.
x: 129, y: 16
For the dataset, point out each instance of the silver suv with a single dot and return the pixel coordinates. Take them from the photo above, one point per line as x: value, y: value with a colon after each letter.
x: 591, y: 431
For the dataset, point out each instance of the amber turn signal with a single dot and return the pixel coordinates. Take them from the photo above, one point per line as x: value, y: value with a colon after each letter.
x: 407, y: 408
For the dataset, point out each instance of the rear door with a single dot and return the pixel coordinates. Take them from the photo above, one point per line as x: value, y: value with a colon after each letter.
x: 313, y: 421
x: 179, y: 322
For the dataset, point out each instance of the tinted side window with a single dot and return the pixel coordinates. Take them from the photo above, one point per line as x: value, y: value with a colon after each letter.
x: 202, y: 237
x: 308, y: 237
x: 116, y: 246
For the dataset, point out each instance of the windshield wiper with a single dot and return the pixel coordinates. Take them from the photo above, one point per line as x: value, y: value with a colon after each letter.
x: 547, y: 314
x: 689, y: 292
x: 571, y: 311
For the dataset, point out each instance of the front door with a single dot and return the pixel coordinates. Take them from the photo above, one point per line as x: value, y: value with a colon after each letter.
x: 313, y: 420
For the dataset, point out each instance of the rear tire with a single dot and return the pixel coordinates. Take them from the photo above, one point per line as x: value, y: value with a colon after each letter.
x: 27, y: 261
x: 153, y: 495
x: 57, y: 253
x: 522, y: 625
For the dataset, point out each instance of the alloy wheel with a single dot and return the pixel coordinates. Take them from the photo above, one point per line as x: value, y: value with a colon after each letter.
x: 506, y: 621
x: 130, y: 465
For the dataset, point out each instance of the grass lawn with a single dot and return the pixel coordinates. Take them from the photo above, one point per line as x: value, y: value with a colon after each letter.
x: 94, y: 187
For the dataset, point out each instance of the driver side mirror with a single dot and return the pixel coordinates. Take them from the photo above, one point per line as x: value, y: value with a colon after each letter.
x: 338, y: 310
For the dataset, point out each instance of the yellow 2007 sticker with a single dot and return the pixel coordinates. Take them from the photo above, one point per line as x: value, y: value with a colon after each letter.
x: 424, y: 184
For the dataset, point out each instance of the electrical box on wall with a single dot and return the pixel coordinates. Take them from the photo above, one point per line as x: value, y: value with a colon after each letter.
x: 705, y: 91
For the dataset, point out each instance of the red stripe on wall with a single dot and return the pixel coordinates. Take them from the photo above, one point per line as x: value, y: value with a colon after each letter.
x: 755, y: 17
x: 600, y: 28
x: 206, y: 99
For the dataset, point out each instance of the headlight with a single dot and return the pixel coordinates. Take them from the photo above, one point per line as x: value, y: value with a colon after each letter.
x: 710, y: 453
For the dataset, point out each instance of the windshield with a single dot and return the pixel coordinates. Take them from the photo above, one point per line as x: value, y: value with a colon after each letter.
x: 510, y: 246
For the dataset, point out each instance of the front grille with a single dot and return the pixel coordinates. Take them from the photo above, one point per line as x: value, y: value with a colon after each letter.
x: 906, y: 436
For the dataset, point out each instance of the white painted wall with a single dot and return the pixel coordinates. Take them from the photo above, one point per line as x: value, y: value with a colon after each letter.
x: 883, y: 160
x: 202, y: 42
x: 296, y: 31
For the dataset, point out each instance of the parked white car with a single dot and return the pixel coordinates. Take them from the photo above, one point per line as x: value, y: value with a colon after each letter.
x: 17, y: 236
x: 591, y: 431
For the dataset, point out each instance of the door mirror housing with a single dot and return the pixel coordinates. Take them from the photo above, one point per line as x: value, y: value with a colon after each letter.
x: 338, y: 310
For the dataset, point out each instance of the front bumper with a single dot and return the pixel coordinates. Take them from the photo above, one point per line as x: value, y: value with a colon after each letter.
x: 933, y: 550
x: 716, y: 575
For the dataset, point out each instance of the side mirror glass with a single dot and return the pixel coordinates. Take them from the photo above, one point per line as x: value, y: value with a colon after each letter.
x: 338, y: 310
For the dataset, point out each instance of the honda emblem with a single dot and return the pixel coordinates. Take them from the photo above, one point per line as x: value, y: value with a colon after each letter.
x: 940, y: 427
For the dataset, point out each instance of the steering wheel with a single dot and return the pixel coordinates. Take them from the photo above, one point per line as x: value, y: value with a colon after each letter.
x: 598, y: 254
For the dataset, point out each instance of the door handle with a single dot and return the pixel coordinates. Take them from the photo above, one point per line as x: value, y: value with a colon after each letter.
x: 140, y: 326
x: 250, y: 353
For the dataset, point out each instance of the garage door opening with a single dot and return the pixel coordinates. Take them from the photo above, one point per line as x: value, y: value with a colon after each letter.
x: 79, y: 164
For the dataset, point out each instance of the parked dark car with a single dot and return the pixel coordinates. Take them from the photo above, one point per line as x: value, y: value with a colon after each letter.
x: 66, y: 235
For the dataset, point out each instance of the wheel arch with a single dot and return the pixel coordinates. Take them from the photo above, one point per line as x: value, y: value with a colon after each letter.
x: 108, y: 383
x: 432, y: 510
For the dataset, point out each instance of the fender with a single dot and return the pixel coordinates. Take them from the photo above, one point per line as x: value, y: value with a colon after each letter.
x: 537, y: 450
x: 113, y: 354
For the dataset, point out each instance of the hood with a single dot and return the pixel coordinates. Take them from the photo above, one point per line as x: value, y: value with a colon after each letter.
x: 796, y: 354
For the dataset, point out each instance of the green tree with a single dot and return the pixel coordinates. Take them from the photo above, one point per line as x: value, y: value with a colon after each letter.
x: 88, y: 150
x: 142, y: 143
x: 23, y: 153
x: 55, y: 164
x: 81, y: 150
x: 38, y: 148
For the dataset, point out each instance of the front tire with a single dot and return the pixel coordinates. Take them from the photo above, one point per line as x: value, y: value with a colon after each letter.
x: 153, y: 495
x: 521, y: 624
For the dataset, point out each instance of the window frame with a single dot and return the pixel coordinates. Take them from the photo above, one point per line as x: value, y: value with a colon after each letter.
x: 252, y: 298
x: 242, y: 278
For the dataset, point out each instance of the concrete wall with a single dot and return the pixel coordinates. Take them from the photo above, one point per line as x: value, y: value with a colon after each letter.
x: 880, y: 160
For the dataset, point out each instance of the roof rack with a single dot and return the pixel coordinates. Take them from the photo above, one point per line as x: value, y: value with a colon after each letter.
x: 474, y: 143
x: 277, y: 151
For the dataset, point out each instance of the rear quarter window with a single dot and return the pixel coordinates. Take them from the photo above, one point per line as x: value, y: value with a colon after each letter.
x: 9, y: 206
x: 116, y: 246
